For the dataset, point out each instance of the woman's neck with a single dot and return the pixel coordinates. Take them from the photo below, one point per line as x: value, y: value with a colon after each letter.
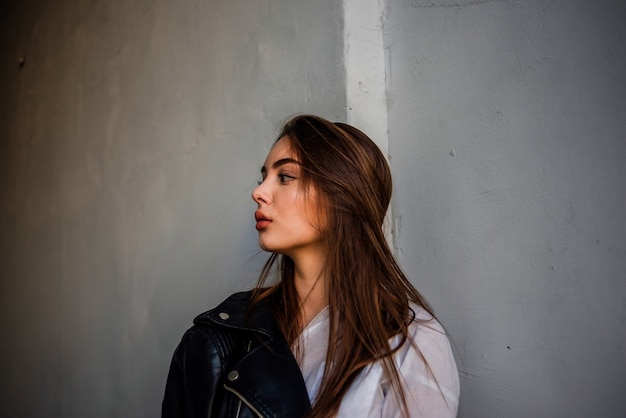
x: 309, y: 281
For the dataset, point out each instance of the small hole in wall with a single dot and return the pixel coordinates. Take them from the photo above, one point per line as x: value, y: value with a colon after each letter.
x: 21, y: 61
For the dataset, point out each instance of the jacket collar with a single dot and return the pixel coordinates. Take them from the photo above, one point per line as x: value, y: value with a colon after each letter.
x: 233, y: 313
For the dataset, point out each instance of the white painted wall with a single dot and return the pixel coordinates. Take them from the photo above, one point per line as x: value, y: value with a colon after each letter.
x: 507, y: 142
x: 364, y: 58
x: 131, y: 140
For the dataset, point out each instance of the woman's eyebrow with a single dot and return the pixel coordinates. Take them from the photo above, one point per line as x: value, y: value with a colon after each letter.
x: 281, y: 162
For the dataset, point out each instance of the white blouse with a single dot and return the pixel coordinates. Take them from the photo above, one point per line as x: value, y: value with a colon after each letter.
x: 428, y: 395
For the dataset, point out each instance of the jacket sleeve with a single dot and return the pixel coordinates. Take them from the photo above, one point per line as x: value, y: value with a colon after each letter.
x: 193, y: 376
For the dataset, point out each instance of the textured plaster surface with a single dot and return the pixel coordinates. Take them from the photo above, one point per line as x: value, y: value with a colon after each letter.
x: 132, y: 136
x: 507, y: 143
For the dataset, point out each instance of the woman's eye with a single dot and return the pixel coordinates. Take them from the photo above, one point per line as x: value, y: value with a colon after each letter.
x: 284, y: 178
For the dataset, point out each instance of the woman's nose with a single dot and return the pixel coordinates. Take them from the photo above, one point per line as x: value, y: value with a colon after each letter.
x: 260, y: 194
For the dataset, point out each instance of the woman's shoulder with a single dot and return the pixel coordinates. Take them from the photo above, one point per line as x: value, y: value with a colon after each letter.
x: 425, y: 329
x: 237, y: 313
x: 217, y: 327
x: 427, y: 363
x: 427, y: 370
x: 234, y: 306
x: 427, y: 341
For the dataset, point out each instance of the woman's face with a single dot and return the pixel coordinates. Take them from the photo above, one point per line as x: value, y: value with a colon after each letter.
x: 287, y: 217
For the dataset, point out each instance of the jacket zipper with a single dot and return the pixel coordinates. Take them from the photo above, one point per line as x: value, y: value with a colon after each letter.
x: 241, y: 398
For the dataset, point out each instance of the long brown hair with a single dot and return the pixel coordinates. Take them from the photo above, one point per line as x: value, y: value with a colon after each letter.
x: 368, y: 294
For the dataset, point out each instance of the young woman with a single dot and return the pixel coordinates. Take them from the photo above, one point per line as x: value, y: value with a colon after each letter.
x: 341, y: 331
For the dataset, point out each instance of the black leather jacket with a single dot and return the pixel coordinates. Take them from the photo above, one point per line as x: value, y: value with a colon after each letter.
x: 232, y: 365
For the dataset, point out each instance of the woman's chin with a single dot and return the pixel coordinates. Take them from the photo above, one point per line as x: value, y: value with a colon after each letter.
x: 265, y: 246
x: 271, y: 248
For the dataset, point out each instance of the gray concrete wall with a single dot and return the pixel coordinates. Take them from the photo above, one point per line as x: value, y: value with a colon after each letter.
x: 132, y: 137
x: 507, y: 140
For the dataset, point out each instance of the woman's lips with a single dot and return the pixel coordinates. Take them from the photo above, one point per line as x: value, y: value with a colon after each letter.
x: 262, y: 224
x: 261, y: 220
